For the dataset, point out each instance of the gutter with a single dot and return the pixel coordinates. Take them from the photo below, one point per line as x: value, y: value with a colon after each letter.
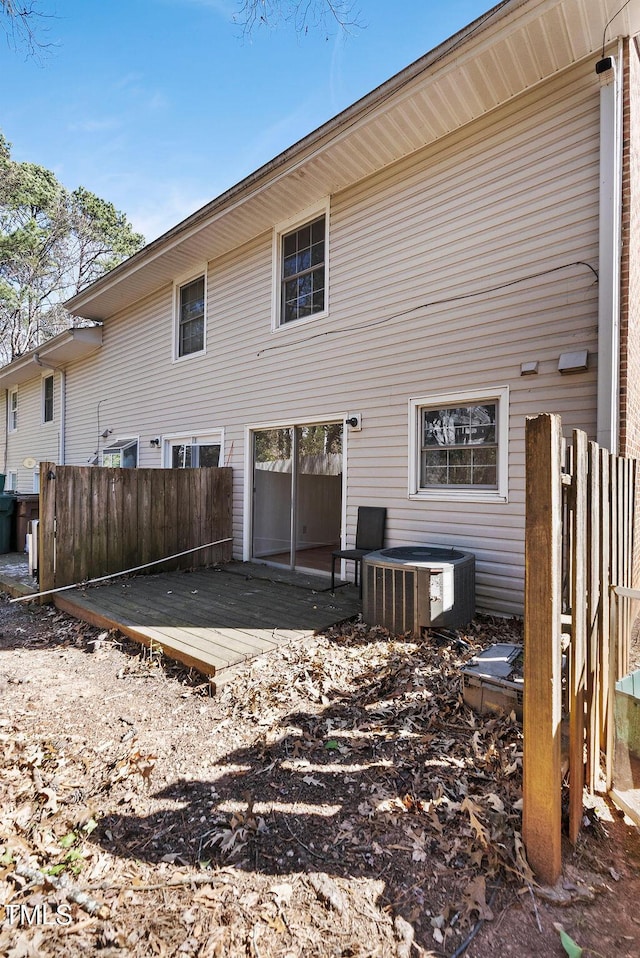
x: 6, y: 429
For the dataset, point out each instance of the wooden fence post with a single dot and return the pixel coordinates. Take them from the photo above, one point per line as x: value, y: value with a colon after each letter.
x: 542, y: 708
x: 46, y: 527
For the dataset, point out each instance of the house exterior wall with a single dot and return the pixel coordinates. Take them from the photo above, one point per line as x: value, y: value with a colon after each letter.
x: 484, y: 226
x: 33, y: 439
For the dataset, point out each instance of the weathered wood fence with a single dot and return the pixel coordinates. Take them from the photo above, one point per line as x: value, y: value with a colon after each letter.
x: 95, y: 521
x: 579, y: 545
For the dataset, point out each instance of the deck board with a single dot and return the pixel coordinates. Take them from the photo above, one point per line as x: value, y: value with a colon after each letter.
x: 213, y: 618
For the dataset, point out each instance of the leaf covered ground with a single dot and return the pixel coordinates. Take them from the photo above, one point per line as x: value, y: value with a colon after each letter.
x: 336, y: 797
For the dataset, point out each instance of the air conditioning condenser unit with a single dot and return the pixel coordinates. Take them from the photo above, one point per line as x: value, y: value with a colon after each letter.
x: 411, y: 588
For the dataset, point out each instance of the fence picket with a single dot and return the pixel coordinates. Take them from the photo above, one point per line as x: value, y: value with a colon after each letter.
x: 130, y: 518
x: 605, y: 578
x: 98, y: 543
x: 161, y: 521
x: 114, y: 506
x: 593, y: 604
x: 578, y: 632
x: 183, y: 515
x: 69, y: 557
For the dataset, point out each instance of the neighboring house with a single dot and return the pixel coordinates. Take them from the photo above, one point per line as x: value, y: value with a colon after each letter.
x: 34, y: 387
x: 369, y: 318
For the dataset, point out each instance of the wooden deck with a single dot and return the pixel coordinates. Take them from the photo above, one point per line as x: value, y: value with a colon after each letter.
x: 214, y: 618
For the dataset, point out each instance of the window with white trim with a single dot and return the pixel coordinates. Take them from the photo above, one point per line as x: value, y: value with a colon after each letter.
x: 301, y: 273
x: 190, y: 317
x: 47, y: 399
x: 122, y: 454
x: 12, y: 480
x: 13, y: 409
x: 459, y: 448
x: 191, y: 452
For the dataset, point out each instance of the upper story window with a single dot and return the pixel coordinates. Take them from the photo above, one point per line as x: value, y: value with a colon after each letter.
x: 301, y: 268
x: 460, y: 446
x: 47, y: 399
x: 190, y: 318
x: 122, y: 454
x: 13, y: 409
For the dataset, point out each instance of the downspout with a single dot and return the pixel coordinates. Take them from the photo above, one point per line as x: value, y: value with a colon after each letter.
x: 6, y: 429
x: 63, y: 416
x: 63, y: 404
x: 609, y: 69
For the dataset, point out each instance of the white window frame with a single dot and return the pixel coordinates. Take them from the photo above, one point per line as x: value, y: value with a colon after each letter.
x: 178, y: 286
x: 12, y: 410
x: 46, y: 378
x: 122, y: 443
x: 249, y: 432
x: 209, y: 437
x: 11, y: 484
x: 279, y: 232
x: 498, y: 395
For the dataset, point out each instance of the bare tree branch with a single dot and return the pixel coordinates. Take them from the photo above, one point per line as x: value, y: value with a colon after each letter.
x: 304, y: 15
x: 22, y: 23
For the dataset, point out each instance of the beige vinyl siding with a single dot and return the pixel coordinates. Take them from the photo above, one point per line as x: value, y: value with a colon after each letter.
x: 33, y: 438
x: 124, y: 386
x: 511, y: 196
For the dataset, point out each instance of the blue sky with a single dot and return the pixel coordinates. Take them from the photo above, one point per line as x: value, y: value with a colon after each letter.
x: 161, y: 105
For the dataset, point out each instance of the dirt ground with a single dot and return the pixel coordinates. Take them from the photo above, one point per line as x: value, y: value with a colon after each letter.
x: 334, y: 798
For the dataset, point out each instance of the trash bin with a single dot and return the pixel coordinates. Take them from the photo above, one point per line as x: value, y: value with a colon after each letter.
x: 27, y: 508
x: 7, y: 504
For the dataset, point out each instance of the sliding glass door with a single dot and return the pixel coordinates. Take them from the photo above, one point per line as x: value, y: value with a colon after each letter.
x: 297, y: 495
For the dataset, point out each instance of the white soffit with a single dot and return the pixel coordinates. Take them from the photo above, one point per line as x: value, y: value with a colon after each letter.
x: 507, y: 51
x: 56, y: 353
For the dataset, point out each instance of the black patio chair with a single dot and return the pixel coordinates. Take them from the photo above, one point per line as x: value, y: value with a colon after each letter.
x: 369, y: 538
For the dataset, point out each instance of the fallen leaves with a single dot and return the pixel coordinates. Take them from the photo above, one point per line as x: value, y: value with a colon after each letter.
x: 386, y: 806
x: 475, y: 900
x: 473, y: 810
x: 136, y: 762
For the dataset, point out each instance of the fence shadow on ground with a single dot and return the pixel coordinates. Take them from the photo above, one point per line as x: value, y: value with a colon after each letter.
x: 372, y: 787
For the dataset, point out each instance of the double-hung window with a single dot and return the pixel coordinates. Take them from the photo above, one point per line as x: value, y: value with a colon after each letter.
x: 13, y: 410
x: 301, y: 268
x: 459, y: 448
x: 47, y: 399
x: 190, y: 317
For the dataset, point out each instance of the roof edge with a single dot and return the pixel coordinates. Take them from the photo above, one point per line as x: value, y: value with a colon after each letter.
x: 296, y: 151
x: 68, y: 346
